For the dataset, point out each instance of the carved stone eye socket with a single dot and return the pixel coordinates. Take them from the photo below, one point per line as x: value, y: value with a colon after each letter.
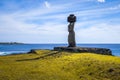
x: 71, y: 18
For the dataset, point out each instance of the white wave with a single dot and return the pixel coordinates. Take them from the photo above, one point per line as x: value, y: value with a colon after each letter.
x: 2, y: 53
x: 12, y: 52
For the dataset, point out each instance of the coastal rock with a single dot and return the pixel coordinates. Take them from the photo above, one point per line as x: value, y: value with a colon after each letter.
x: 33, y: 51
x: 103, y: 51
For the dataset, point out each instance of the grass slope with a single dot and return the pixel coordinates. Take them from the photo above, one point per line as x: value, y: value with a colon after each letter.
x: 53, y: 65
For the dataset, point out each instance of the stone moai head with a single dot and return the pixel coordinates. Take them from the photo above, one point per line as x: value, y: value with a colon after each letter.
x: 71, y: 18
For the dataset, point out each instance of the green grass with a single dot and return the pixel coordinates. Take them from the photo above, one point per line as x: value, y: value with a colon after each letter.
x: 53, y: 65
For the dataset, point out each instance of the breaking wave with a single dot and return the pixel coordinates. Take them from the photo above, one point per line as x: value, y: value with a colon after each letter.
x: 12, y: 52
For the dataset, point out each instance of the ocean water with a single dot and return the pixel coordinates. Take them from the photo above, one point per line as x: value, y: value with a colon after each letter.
x: 23, y: 48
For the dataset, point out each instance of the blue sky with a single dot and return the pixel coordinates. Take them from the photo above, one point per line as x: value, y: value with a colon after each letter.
x: 45, y: 21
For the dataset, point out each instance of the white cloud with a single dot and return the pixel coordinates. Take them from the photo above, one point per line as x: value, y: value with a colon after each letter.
x: 47, y: 4
x: 115, y: 7
x: 101, y: 1
x: 52, y: 31
x: 18, y: 30
x: 99, y: 33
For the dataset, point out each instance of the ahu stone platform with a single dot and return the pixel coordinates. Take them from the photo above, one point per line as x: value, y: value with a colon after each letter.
x: 103, y: 51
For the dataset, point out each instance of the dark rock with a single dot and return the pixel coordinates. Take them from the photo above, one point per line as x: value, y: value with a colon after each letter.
x: 110, y: 70
x: 33, y: 51
x: 71, y: 18
x: 103, y: 51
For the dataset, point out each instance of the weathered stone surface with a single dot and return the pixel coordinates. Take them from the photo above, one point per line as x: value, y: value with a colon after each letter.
x: 32, y: 51
x: 71, y: 37
x: 71, y: 18
x: 103, y: 51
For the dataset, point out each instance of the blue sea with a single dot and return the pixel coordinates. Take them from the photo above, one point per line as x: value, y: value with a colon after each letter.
x: 7, y: 49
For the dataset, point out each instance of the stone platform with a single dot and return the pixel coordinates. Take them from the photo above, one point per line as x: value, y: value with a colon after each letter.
x: 103, y: 51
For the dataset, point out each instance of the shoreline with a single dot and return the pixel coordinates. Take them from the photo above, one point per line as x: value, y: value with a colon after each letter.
x: 24, y: 48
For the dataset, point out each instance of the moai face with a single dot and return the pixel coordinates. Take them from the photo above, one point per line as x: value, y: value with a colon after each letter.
x: 71, y: 18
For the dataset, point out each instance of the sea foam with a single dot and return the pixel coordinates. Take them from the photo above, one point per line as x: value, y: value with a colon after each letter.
x: 3, y: 53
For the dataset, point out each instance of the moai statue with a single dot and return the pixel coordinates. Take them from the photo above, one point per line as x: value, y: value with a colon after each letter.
x: 71, y: 37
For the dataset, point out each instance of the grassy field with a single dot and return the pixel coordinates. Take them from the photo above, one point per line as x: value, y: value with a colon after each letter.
x: 54, y: 65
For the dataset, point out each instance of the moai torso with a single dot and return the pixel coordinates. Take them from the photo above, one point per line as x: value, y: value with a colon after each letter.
x: 71, y: 36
